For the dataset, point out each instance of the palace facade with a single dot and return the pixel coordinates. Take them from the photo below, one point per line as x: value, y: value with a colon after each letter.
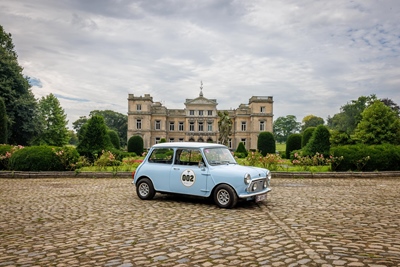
x: 198, y: 121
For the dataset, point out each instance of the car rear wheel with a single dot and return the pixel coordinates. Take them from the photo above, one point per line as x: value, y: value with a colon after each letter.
x: 145, y: 189
x: 225, y: 196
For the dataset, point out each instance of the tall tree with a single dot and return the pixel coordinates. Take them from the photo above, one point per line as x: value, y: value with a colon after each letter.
x: 114, y: 121
x: 53, y: 123
x: 18, y: 98
x: 350, y: 114
x: 3, y: 122
x: 95, y: 138
x: 389, y: 102
x: 379, y: 124
x: 285, y: 126
x: 79, y: 126
x: 311, y: 121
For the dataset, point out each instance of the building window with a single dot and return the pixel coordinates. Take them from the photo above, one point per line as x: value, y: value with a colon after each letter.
x: 138, y: 107
x: 243, y: 140
x: 201, y: 127
x: 262, y: 125
x: 243, y: 126
x: 201, y: 112
x: 230, y: 143
x: 191, y: 127
x: 172, y: 126
x: 158, y: 139
x: 209, y: 126
x: 209, y: 112
x: 180, y: 126
x: 191, y: 112
x: 262, y: 109
x: 138, y: 124
x: 172, y: 139
x: 180, y: 139
x: 158, y: 125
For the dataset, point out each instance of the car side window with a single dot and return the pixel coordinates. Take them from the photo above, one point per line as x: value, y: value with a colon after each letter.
x: 188, y: 157
x: 161, y: 155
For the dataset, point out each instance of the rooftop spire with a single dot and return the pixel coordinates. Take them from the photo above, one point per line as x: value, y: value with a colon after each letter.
x: 201, y: 88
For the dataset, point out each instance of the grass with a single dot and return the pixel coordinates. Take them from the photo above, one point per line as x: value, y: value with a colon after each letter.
x: 280, y: 147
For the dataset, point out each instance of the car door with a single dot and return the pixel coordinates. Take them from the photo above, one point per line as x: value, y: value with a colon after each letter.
x: 188, y: 173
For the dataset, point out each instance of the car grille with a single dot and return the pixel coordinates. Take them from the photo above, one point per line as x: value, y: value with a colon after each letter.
x: 259, y: 185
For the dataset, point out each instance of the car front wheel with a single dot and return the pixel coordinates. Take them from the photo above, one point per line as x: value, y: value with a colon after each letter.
x: 225, y: 196
x: 145, y: 189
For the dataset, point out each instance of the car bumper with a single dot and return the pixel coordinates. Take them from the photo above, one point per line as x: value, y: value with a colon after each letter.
x: 248, y: 195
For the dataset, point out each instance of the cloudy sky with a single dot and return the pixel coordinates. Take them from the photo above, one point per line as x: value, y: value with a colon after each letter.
x: 311, y: 56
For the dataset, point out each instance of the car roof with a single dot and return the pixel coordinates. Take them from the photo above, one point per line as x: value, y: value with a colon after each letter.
x: 189, y: 145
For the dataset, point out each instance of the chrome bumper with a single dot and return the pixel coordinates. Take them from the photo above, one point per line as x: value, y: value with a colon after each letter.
x: 247, y: 195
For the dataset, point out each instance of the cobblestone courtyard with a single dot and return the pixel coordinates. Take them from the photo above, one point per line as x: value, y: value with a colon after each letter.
x: 101, y: 222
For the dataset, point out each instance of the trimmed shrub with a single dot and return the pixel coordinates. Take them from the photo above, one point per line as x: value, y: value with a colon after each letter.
x: 241, y: 151
x: 361, y: 157
x: 307, y: 134
x: 293, y: 143
x: 114, y: 138
x: 319, y: 142
x: 266, y: 143
x: 135, y: 144
x: 36, y: 158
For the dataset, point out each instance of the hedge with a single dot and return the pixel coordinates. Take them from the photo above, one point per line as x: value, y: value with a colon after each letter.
x: 362, y: 157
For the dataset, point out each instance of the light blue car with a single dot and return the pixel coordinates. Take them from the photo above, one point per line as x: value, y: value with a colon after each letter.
x: 199, y: 169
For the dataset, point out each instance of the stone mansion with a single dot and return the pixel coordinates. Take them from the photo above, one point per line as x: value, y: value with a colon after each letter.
x: 198, y: 121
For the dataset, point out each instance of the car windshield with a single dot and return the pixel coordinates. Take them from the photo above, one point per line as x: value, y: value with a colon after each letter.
x: 217, y: 156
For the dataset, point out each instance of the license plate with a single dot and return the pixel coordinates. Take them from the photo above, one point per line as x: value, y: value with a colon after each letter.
x: 261, y: 197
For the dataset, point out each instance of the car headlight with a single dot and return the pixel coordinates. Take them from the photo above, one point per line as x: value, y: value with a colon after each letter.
x: 247, y: 178
x: 265, y: 183
x: 254, y: 186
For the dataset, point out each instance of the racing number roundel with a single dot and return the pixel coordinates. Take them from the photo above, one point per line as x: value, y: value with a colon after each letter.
x: 188, y: 177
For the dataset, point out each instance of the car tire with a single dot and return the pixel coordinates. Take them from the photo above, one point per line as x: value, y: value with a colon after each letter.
x: 145, y: 189
x: 225, y: 196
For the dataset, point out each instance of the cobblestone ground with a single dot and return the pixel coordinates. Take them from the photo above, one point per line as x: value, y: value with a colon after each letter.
x: 101, y: 222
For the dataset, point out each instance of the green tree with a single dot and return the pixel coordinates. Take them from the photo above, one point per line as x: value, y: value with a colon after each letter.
x: 319, y: 142
x: 293, y: 143
x: 17, y: 95
x: 266, y: 143
x: 135, y: 144
x: 53, y: 123
x: 389, y: 102
x: 3, y: 122
x: 79, y: 126
x: 95, y: 138
x: 350, y: 114
x: 379, y: 125
x: 340, y: 138
x: 311, y: 121
x: 115, y: 121
x: 285, y: 126
x: 73, y: 138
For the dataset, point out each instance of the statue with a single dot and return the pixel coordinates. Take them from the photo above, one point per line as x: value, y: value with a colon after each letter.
x: 224, y: 127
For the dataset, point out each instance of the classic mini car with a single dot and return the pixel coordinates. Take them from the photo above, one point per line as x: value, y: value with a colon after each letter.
x: 199, y: 169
